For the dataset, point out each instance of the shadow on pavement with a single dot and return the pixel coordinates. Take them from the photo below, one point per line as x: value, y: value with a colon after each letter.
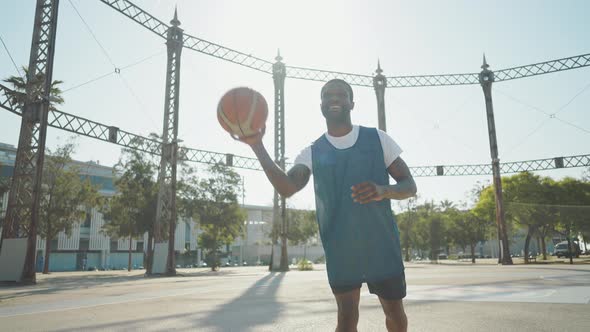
x: 57, y: 282
x: 256, y: 306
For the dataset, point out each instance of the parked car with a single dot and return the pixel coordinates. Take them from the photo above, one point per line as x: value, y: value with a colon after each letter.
x: 561, y: 250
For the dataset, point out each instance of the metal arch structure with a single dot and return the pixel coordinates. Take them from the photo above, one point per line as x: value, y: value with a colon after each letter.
x: 22, y: 215
x: 84, y: 127
x: 379, y: 84
x: 541, y: 68
x: 8, y: 102
x: 166, y: 206
x: 159, y: 28
x: 81, y: 126
x: 486, y: 79
x: 279, y: 202
x: 224, y: 53
x: 23, y: 201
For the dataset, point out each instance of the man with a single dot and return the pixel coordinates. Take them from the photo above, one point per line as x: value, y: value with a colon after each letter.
x: 351, y: 167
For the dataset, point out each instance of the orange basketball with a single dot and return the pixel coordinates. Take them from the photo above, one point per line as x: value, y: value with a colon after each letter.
x: 242, y: 112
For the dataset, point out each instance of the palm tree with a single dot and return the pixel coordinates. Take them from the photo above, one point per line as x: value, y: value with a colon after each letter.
x: 19, y: 85
x: 19, y: 97
x: 446, y: 204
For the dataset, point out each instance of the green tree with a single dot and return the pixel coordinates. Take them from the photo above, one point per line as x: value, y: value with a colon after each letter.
x: 65, y: 196
x: 436, y: 235
x: 527, y: 201
x: 447, y: 210
x: 19, y: 85
x: 572, y: 200
x: 132, y: 212
x: 485, y: 208
x: 407, y: 224
x: 466, y: 228
x: 303, y: 226
x: 429, y: 230
x: 456, y: 228
x: 548, y: 218
x: 188, y: 193
x: 216, y: 208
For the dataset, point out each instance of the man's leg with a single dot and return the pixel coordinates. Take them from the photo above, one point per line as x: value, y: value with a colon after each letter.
x: 348, y: 310
x: 391, y: 292
x: 395, y: 316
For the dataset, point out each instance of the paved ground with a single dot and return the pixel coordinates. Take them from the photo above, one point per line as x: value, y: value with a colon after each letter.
x: 457, y: 297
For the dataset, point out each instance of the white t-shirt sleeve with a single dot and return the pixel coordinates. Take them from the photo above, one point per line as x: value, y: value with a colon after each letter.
x: 390, y: 148
x: 304, y: 158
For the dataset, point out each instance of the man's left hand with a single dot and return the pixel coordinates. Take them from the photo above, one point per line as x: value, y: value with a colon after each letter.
x: 366, y: 192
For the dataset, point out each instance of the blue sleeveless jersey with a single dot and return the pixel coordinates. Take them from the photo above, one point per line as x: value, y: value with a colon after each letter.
x: 361, y: 241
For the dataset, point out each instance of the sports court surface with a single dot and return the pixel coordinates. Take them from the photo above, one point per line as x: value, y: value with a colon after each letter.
x: 444, y: 297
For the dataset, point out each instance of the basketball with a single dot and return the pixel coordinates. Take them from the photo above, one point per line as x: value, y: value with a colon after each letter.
x: 242, y: 112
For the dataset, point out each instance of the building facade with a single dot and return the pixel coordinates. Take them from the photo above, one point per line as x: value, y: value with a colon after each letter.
x: 87, y: 247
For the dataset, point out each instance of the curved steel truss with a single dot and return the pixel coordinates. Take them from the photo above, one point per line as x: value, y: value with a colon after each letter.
x: 158, y: 27
x: 89, y: 128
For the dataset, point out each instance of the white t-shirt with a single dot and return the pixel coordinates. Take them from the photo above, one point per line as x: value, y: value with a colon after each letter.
x: 390, y: 148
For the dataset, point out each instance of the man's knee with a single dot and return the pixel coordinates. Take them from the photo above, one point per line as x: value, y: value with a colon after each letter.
x: 395, y: 315
x: 347, y: 307
x: 348, y: 312
x: 396, y: 322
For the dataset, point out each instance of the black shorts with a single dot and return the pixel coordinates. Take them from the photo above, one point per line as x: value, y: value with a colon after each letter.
x: 389, y: 289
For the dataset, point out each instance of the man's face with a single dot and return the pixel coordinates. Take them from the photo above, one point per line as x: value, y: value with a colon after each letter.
x: 336, y: 102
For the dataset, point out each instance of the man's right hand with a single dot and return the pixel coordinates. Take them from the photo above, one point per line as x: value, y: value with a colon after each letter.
x: 255, y: 139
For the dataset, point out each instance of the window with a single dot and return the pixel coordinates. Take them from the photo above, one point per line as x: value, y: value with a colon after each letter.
x: 114, y: 246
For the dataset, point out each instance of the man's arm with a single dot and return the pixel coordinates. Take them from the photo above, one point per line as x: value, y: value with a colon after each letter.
x: 405, y: 186
x: 286, y: 184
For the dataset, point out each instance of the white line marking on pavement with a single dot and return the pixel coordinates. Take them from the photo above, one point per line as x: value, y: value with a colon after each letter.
x: 507, y: 293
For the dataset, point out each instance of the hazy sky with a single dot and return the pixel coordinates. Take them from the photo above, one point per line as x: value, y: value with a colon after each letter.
x: 434, y: 126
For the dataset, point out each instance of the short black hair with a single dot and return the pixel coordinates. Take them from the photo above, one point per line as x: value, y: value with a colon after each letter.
x: 343, y: 82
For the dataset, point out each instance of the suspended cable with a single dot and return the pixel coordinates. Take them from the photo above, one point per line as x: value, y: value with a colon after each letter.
x: 88, y: 82
x: 573, y: 125
x: 448, y: 134
x: 549, y: 115
x: 114, y: 72
x: 573, y: 98
x: 528, y: 136
x: 535, y: 108
x: 142, y: 60
x: 11, y: 59
x: 104, y: 51
x: 137, y: 99
x: 117, y: 70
